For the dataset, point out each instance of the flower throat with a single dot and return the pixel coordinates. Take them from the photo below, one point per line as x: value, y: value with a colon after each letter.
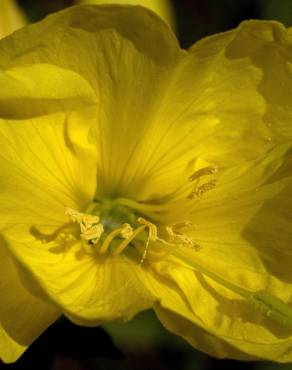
x: 113, y: 225
x: 109, y: 227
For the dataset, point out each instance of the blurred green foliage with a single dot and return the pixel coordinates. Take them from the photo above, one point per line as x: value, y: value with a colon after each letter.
x: 278, y: 10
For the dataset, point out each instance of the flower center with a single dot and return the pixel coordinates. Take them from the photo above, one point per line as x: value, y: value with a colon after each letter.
x: 151, y: 229
x: 123, y: 225
x: 109, y: 226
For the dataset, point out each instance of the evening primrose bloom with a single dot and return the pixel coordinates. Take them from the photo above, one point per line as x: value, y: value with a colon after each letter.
x: 137, y: 175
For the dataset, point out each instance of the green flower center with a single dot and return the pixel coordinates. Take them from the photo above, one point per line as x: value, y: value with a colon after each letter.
x: 112, y: 215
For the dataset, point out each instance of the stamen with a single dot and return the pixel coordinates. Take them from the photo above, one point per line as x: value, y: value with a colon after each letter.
x: 152, y: 236
x: 203, y: 172
x: 92, y: 233
x: 81, y: 218
x: 152, y: 228
x: 199, y: 191
x: 177, y: 197
x: 126, y: 242
x: 181, y: 225
x: 90, y: 227
x: 125, y: 231
x: 177, y: 237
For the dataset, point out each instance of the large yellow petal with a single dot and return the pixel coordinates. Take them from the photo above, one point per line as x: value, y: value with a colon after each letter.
x: 122, y: 66
x: 211, y: 107
x: 46, y: 165
x: 77, y: 37
x: 213, y: 345
x: 220, y: 323
x: 23, y: 317
x: 203, y: 102
x: 218, y: 107
x: 245, y: 221
x: 88, y: 288
x: 268, y: 46
x: 243, y: 227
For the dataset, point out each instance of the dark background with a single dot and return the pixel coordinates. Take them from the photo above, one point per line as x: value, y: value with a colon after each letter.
x: 195, y: 18
x: 143, y: 343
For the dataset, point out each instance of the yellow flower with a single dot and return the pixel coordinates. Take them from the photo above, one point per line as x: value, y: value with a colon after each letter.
x: 11, y: 17
x: 137, y: 175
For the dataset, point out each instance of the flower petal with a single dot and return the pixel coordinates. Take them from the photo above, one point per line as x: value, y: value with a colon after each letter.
x: 18, y: 309
x: 196, y: 109
x: 46, y: 164
x: 201, y: 114
x: 216, y: 107
x: 122, y: 66
x: 12, y: 17
x: 88, y: 288
x: 245, y: 220
x: 41, y: 89
x: 221, y: 323
x: 77, y: 37
x: 243, y: 228
x: 221, y: 347
x: 268, y: 46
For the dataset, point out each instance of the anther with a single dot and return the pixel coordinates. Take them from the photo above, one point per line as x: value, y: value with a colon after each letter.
x: 179, y: 237
x: 90, y: 227
x: 200, y: 190
x: 151, y: 227
x: 81, y: 218
x: 202, y: 172
x: 92, y: 233
x: 126, y: 231
x: 182, y: 225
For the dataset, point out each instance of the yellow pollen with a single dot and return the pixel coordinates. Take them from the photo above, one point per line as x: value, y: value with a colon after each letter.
x: 151, y: 227
x: 200, y: 190
x: 81, y: 218
x: 90, y: 227
x: 93, y: 233
x: 178, y: 237
x: 126, y: 231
